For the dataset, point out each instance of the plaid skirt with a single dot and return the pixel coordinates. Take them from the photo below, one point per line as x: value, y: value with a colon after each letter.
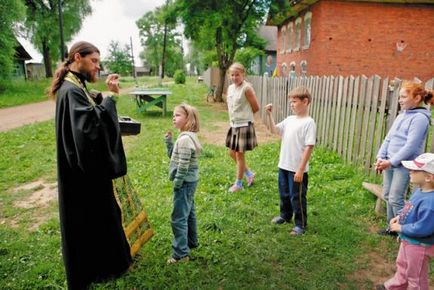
x: 242, y: 138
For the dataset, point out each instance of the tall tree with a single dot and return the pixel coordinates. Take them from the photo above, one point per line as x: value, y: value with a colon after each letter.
x: 161, y: 42
x: 42, y: 24
x: 119, y: 59
x: 224, y: 25
x: 198, y: 59
x: 11, y: 12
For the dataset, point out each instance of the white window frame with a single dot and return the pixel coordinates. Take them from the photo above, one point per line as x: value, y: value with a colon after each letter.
x: 307, y: 30
x: 291, y: 72
x: 303, y: 67
x: 289, y: 36
x: 283, y: 40
x: 284, y: 69
x: 297, y: 34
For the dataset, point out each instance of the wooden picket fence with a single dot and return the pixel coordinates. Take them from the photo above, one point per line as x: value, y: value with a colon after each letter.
x: 353, y: 114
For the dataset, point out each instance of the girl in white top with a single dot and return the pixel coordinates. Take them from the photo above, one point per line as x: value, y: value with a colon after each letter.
x: 241, y: 137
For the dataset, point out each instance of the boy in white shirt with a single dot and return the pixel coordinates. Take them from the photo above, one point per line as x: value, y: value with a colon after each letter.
x: 298, y: 134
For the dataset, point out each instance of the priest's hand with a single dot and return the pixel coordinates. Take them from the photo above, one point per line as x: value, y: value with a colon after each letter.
x: 112, y: 82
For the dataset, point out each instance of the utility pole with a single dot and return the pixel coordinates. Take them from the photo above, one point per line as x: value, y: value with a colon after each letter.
x: 163, y: 58
x: 62, y: 41
x: 132, y: 60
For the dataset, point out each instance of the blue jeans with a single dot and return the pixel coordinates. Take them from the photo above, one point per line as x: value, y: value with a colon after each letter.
x: 184, y: 226
x: 293, y: 198
x: 395, y: 183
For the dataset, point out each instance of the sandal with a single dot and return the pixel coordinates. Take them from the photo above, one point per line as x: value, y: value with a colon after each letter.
x: 172, y: 260
x: 296, y: 231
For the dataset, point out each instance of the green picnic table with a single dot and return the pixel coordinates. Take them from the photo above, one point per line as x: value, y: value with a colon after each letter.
x: 146, y: 98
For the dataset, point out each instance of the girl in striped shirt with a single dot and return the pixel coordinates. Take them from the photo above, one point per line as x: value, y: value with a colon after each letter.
x: 184, y: 172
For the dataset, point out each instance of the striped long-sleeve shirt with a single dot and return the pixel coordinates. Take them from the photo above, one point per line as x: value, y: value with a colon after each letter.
x: 184, y: 165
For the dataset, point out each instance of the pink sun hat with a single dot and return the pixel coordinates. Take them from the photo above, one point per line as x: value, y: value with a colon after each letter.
x: 423, y: 162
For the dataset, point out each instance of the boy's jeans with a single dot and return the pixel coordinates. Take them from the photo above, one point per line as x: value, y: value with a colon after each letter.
x: 184, y: 226
x: 291, y: 200
x: 412, y: 266
x: 395, y: 183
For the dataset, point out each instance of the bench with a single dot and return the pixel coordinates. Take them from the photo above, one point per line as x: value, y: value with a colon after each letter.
x: 377, y: 190
x: 146, y: 98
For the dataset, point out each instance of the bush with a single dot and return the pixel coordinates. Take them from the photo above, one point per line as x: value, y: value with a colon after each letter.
x: 179, y: 77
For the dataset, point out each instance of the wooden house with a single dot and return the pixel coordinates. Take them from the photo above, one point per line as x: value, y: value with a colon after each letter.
x: 21, y: 55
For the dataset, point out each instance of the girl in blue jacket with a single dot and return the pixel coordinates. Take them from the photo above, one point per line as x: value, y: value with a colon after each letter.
x: 415, y: 225
x: 404, y: 141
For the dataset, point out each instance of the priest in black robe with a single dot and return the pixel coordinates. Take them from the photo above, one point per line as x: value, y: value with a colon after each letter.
x: 89, y: 155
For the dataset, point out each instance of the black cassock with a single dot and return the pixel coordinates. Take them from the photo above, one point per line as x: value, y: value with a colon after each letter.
x: 89, y: 155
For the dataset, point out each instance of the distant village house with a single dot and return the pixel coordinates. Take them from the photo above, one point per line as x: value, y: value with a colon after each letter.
x: 21, y: 55
x: 266, y: 63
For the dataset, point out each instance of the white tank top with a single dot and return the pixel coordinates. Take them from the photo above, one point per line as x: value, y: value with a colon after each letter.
x: 240, y: 110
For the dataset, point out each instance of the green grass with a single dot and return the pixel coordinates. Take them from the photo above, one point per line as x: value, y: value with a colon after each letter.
x: 21, y: 92
x: 239, y: 248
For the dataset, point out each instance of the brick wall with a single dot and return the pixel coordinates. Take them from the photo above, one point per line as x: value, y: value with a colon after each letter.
x: 360, y: 38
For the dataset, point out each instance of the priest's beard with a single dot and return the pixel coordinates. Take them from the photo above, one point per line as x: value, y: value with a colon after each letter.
x: 91, y: 78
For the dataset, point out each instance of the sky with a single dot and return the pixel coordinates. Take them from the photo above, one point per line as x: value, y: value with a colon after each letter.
x: 110, y: 20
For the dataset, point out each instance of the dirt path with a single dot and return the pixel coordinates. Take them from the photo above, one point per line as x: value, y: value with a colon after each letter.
x: 18, y: 116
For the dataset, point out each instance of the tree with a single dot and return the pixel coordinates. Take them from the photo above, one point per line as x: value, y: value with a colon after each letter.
x: 160, y: 40
x: 42, y: 24
x: 11, y: 12
x: 198, y: 59
x: 119, y: 60
x: 247, y: 55
x: 224, y: 25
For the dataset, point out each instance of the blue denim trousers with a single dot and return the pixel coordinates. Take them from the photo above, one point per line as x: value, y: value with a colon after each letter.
x: 184, y: 226
x: 395, y: 184
x: 293, y: 198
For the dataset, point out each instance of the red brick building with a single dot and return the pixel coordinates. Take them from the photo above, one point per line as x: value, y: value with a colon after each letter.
x: 331, y: 37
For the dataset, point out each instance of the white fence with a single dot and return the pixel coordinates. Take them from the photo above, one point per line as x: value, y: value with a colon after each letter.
x: 352, y: 114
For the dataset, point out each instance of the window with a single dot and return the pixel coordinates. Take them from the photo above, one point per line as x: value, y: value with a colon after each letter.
x: 289, y: 36
x: 303, y: 67
x: 297, y: 33
x: 307, y: 29
x: 269, y: 65
x: 292, y: 73
x: 283, y: 36
x: 284, y: 70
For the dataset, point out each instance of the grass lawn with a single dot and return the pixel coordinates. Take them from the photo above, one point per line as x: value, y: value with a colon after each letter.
x: 20, y: 92
x: 239, y: 247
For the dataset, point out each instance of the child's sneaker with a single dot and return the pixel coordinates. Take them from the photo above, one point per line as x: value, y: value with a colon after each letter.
x: 235, y: 188
x: 278, y: 220
x: 250, y: 179
x: 172, y: 260
x: 296, y: 231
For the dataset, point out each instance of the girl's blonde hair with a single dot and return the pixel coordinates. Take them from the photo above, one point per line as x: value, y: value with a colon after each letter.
x: 415, y: 89
x: 192, y: 114
x: 237, y: 66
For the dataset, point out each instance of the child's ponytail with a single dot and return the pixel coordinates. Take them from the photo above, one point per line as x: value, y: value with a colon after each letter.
x: 428, y: 98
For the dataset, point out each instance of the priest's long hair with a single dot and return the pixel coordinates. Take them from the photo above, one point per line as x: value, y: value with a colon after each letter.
x: 83, y: 48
